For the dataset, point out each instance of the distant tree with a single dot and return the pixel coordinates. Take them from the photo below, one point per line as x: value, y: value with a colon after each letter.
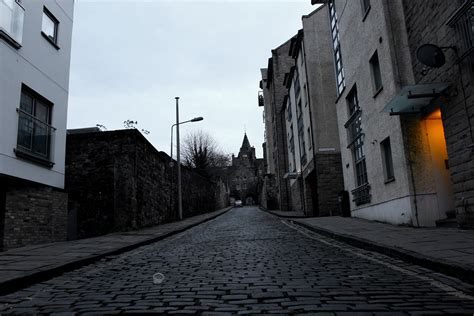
x: 131, y: 124
x: 200, y: 151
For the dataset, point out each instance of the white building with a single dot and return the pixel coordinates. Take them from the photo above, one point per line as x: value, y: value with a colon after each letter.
x: 35, y: 51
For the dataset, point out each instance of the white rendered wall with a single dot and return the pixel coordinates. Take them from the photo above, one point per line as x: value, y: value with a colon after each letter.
x: 45, y: 69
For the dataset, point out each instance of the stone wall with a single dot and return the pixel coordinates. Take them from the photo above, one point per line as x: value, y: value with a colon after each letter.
x: 296, y: 196
x: 268, y: 192
x: 117, y: 181
x: 330, y: 183
x: 31, y: 214
x: 426, y: 23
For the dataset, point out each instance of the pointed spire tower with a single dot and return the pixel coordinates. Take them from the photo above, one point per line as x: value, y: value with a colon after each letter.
x: 245, y: 143
x: 246, y: 151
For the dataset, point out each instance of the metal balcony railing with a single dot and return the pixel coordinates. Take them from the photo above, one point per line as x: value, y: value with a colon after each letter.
x: 34, y: 138
x: 11, y: 21
x: 361, y: 195
x: 463, y: 21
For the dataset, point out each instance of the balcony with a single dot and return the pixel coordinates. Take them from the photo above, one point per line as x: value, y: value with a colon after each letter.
x: 11, y: 22
x: 34, y: 139
x: 361, y: 195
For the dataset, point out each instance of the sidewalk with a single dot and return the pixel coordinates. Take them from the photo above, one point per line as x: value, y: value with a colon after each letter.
x: 446, y: 250
x: 288, y: 214
x: 24, y: 266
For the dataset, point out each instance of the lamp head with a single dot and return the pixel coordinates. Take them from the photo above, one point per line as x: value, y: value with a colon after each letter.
x: 196, y: 119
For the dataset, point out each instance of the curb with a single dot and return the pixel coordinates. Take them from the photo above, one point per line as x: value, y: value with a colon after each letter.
x: 458, y: 271
x: 281, y: 215
x: 22, y: 282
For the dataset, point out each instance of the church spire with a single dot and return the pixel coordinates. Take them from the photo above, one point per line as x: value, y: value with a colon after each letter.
x: 245, y: 143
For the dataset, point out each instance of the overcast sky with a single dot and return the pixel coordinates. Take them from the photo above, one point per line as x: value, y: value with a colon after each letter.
x: 131, y: 58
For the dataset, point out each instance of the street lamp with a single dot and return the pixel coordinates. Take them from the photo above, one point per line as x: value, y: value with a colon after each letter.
x: 178, y: 155
x: 196, y: 119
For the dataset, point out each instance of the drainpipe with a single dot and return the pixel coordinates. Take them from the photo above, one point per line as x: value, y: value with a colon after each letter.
x: 398, y: 82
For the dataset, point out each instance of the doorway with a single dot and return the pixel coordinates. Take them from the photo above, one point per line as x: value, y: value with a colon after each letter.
x: 440, y: 163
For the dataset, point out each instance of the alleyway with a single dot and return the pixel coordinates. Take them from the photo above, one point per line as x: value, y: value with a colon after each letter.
x: 251, y: 262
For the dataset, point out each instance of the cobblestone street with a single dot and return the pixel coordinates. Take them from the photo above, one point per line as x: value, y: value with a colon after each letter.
x: 246, y: 261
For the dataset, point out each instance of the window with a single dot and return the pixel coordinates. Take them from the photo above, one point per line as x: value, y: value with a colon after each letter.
x: 361, y: 194
x: 297, y: 84
x: 310, y: 142
x: 387, y: 159
x: 34, y: 129
x: 11, y: 22
x: 290, y: 114
x: 49, y: 28
x: 463, y: 21
x: 292, y: 148
x: 365, y: 7
x: 302, y: 147
x: 299, y: 110
x: 376, y: 74
x: 339, y: 69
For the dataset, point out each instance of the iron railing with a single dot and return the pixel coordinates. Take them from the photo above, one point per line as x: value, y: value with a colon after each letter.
x: 35, y: 138
x: 361, y: 195
x: 463, y: 21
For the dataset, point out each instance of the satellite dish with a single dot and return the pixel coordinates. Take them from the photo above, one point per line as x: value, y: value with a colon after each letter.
x: 430, y: 55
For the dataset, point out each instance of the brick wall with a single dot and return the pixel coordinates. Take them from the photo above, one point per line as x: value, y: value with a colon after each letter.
x: 117, y: 181
x: 426, y: 23
x: 32, y: 214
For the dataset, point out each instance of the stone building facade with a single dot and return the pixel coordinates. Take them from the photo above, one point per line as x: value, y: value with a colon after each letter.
x: 245, y: 174
x: 405, y: 128
x: 271, y: 99
x: 117, y: 181
x: 449, y: 24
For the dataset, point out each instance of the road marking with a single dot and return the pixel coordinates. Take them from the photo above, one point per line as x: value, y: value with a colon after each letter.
x: 444, y: 287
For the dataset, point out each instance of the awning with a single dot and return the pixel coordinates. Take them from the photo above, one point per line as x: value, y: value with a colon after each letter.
x: 291, y: 175
x: 413, y: 99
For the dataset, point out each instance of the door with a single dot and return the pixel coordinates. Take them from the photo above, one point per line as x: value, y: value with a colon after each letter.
x: 439, y: 157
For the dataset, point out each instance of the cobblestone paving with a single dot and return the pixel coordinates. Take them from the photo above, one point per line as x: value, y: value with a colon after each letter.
x: 247, y: 262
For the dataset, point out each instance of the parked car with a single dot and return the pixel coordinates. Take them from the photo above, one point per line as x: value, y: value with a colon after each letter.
x: 238, y: 203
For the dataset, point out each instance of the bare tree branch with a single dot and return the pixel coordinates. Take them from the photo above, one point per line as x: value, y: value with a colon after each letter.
x: 201, y: 152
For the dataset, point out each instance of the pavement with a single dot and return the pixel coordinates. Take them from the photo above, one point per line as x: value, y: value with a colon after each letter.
x: 446, y: 250
x: 295, y: 214
x: 246, y: 262
x: 24, y: 266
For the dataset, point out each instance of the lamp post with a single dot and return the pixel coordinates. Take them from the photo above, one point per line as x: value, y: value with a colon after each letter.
x: 178, y: 154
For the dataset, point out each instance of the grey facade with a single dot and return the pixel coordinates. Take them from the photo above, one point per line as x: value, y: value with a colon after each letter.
x: 312, y: 131
x: 34, y: 84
